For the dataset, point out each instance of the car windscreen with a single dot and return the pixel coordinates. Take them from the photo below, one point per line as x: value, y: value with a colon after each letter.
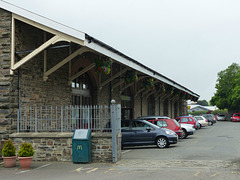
x: 198, y: 117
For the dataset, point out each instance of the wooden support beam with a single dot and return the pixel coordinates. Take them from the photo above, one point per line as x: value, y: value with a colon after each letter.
x: 146, y: 92
x: 81, y: 72
x: 151, y: 93
x: 50, y: 30
x: 36, y: 52
x: 112, y: 78
x: 139, y: 91
x: 64, y: 61
x: 127, y: 86
x: 117, y: 84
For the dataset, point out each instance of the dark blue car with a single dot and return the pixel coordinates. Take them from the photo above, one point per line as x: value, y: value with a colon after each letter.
x: 142, y: 132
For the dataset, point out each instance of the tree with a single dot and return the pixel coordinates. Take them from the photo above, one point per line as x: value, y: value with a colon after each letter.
x: 202, y: 102
x: 228, y: 89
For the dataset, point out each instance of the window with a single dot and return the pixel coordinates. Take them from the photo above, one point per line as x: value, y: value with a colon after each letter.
x: 184, y: 120
x: 81, y: 92
x: 190, y: 119
x: 162, y: 123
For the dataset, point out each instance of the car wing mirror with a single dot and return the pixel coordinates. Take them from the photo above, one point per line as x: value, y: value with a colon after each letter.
x: 148, y: 129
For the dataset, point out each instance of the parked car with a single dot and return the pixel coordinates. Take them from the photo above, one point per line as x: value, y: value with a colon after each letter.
x: 153, y: 117
x: 202, y: 121
x: 187, y: 120
x: 235, y: 117
x: 188, y: 129
x: 169, y: 124
x: 141, y: 132
x: 221, y: 117
x: 197, y: 123
x: 211, y: 118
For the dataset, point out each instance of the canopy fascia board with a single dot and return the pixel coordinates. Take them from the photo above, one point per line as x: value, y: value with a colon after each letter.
x: 96, y: 47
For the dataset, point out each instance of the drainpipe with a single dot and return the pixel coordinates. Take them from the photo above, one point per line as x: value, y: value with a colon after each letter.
x: 19, y: 99
x: 141, y: 104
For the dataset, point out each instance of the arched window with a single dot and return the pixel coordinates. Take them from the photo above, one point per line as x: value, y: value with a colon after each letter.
x: 82, y: 90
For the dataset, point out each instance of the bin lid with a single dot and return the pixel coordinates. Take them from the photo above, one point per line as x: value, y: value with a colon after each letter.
x: 81, y: 134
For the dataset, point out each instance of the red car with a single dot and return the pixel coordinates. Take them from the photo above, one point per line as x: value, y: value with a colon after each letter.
x: 235, y: 117
x: 171, y: 124
x: 187, y: 120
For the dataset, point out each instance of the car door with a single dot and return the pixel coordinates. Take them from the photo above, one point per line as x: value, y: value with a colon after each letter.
x: 127, y: 132
x: 142, y: 133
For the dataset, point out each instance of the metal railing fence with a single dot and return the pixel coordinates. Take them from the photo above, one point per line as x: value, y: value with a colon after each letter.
x: 63, y: 118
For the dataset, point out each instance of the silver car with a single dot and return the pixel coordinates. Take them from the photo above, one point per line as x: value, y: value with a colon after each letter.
x: 221, y: 117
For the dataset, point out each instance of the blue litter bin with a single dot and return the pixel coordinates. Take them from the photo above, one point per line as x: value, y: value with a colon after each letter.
x: 82, y: 146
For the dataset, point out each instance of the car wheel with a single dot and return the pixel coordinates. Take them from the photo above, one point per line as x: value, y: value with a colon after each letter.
x: 162, y: 142
x: 184, y: 134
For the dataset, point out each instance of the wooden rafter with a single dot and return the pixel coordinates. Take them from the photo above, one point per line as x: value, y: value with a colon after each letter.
x: 53, y: 40
x: 117, y: 84
x: 138, y: 92
x: 146, y: 92
x: 151, y: 93
x: 112, y: 78
x: 165, y: 97
x: 81, y: 72
x: 64, y: 61
x: 130, y: 84
x: 48, y: 29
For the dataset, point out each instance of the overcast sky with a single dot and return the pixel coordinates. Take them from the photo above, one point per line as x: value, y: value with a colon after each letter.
x: 189, y: 41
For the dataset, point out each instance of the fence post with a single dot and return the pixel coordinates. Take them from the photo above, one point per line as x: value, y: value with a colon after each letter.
x: 116, y: 127
x: 61, y: 119
x: 36, y: 125
x: 18, y: 120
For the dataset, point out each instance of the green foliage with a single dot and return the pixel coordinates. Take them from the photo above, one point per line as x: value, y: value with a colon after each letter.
x: 196, y: 113
x: 202, y: 102
x: 130, y: 76
x: 103, y: 64
x: 227, y: 95
x: 220, y: 111
x: 26, y: 150
x: 8, y: 149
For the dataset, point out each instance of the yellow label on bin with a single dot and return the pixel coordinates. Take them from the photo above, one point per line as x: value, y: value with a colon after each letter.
x: 79, y: 147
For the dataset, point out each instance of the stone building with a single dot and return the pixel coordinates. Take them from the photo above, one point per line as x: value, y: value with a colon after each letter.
x: 46, y: 63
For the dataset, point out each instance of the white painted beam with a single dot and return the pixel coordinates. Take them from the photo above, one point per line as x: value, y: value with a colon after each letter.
x: 35, y: 52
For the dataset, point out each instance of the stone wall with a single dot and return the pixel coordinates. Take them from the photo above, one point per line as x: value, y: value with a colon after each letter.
x: 58, y: 146
x: 8, y: 83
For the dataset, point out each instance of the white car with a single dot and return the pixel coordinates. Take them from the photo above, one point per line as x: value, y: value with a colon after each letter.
x: 188, y: 129
x: 202, y: 121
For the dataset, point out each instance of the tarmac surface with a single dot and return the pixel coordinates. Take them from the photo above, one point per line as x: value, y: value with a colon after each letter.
x: 212, y: 153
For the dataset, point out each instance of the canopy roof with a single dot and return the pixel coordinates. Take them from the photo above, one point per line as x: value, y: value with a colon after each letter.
x: 86, y: 40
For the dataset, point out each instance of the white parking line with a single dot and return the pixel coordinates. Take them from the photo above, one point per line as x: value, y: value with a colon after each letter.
x: 125, y: 151
x: 22, y: 172
x: 45, y: 165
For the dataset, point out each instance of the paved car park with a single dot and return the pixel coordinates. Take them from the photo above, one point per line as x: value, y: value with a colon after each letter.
x: 213, y: 152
